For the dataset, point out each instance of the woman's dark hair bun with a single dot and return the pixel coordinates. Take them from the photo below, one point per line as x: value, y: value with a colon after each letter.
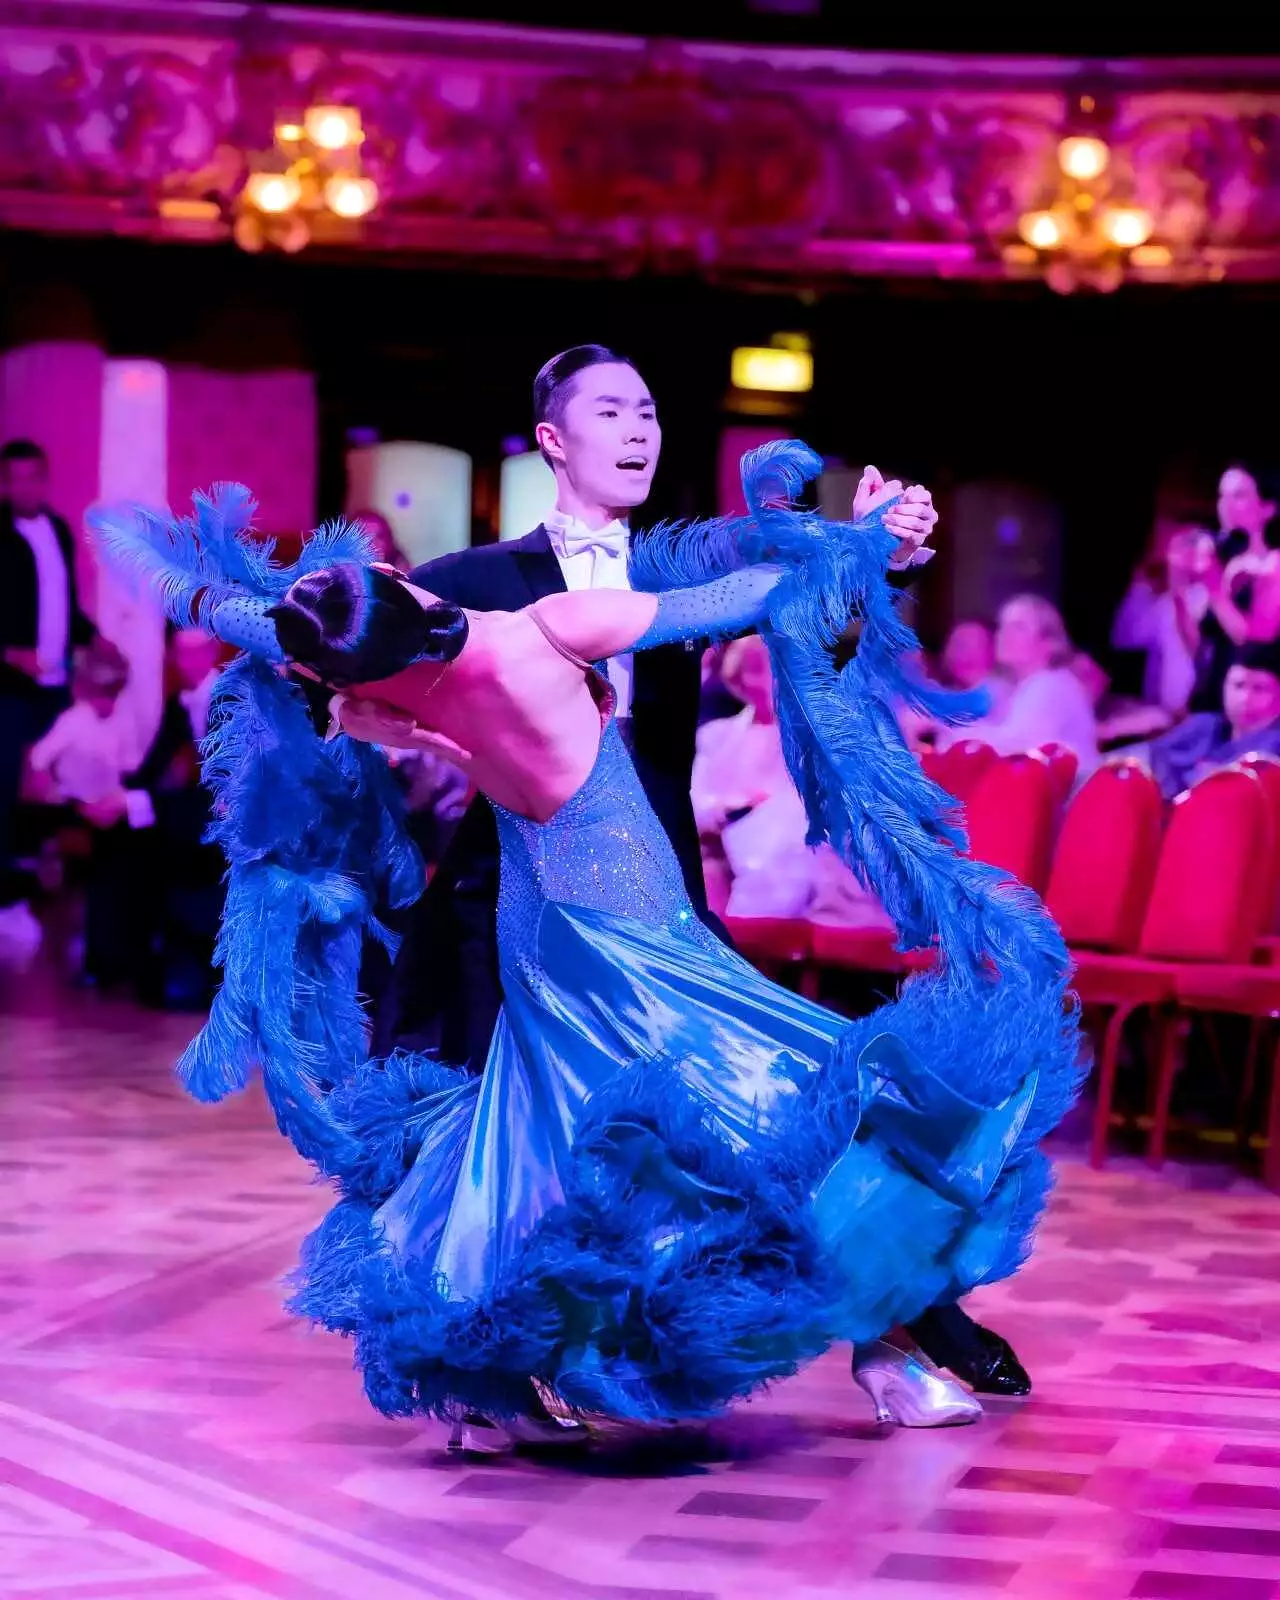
x: 350, y: 624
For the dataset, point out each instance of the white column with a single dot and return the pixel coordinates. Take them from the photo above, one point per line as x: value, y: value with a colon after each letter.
x: 133, y: 465
x: 526, y: 492
x: 423, y: 490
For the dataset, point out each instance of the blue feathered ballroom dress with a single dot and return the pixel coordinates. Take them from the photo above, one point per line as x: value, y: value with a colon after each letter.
x: 674, y: 1180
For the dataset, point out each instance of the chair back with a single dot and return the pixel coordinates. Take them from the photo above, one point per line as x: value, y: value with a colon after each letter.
x: 1010, y: 817
x: 1267, y: 768
x: 1064, y: 766
x: 1105, y: 860
x: 1205, y: 904
x: 959, y: 768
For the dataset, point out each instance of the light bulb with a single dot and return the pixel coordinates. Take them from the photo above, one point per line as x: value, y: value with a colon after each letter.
x: 289, y: 130
x: 1041, y: 230
x: 1152, y: 255
x: 1127, y: 227
x: 333, y: 127
x: 1083, y: 159
x: 272, y: 192
x: 350, y: 197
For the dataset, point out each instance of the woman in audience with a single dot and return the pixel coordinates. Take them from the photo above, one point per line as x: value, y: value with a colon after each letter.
x: 1243, y: 582
x: 968, y: 656
x: 1163, y: 612
x: 383, y: 539
x: 751, y: 820
x: 1047, y: 702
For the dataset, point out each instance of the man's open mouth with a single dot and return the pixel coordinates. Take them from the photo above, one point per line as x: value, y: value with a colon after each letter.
x: 633, y: 464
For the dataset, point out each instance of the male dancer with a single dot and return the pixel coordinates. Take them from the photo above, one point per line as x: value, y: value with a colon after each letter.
x: 596, y: 425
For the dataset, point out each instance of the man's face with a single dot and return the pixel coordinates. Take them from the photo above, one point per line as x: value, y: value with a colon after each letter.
x: 1250, y: 700
x: 1240, y: 505
x: 25, y: 486
x: 609, y: 442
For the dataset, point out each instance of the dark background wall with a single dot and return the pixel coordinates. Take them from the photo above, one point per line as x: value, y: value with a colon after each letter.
x: 1102, y: 403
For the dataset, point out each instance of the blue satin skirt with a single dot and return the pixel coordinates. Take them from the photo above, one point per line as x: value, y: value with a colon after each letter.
x: 674, y: 1181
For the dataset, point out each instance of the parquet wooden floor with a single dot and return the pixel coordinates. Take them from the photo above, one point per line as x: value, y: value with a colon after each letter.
x: 165, y: 1431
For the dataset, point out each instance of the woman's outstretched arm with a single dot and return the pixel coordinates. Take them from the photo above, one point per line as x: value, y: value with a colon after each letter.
x: 598, y: 623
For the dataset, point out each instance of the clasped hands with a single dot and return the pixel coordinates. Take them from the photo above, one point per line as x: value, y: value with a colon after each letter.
x: 911, y: 521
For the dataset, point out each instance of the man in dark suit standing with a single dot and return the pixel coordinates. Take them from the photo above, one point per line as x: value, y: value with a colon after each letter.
x: 596, y: 425
x: 444, y: 991
x: 41, y: 623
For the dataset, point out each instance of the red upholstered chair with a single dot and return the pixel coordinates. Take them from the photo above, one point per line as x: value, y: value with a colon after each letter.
x: 1010, y: 819
x: 1064, y: 767
x: 1203, y: 911
x: 1248, y: 988
x: 1267, y: 768
x: 958, y: 769
x: 1105, y: 858
x: 858, y: 950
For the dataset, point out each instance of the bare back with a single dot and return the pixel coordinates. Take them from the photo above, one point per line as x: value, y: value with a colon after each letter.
x: 527, y: 711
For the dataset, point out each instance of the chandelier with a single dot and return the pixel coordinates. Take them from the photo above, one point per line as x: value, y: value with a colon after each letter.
x: 311, y: 181
x: 1088, y: 232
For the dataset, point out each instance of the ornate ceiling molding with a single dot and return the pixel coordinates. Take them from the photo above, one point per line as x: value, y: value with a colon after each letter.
x: 554, y: 150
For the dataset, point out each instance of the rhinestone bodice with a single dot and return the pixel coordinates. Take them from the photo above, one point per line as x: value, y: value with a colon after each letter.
x: 604, y: 850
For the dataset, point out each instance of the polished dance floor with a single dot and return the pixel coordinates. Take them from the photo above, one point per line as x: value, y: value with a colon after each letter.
x: 165, y: 1432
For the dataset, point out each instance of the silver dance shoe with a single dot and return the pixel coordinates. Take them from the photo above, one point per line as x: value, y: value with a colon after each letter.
x: 906, y: 1388
x: 478, y: 1435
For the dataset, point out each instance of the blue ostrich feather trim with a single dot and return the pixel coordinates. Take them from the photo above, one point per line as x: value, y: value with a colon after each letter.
x: 996, y: 1007
x: 313, y: 832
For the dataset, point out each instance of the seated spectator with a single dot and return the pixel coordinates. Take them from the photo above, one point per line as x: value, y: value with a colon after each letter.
x: 716, y: 700
x: 750, y: 817
x: 1047, y: 702
x: 82, y: 757
x: 1249, y: 721
x: 1162, y: 614
x: 968, y: 657
x: 155, y: 891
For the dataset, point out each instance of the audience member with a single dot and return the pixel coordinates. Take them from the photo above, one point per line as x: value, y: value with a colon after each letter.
x: 41, y: 623
x: 1047, y: 702
x: 717, y: 700
x: 82, y: 757
x: 1244, y: 571
x: 750, y: 817
x: 968, y: 656
x: 155, y: 890
x: 382, y: 535
x: 1248, y: 721
x: 1162, y: 614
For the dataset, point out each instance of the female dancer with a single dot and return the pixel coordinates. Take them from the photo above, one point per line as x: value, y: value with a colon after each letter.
x: 674, y: 1180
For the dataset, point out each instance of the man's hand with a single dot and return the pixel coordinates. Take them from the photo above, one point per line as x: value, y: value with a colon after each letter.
x: 373, y: 722
x: 27, y: 661
x: 912, y: 520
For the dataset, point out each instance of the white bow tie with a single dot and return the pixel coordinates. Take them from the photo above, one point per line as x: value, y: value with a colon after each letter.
x: 571, y: 537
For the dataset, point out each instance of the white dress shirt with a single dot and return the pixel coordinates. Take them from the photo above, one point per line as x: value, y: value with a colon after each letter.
x: 595, y: 559
x: 53, y: 590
